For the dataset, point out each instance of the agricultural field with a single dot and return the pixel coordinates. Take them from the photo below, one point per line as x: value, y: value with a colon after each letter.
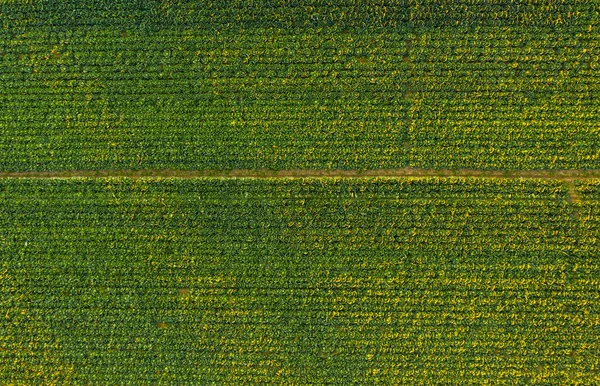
x: 299, y: 281
x: 223, y: 85
x: 241, y: 192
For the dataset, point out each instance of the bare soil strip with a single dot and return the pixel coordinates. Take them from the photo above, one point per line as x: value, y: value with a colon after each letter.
x: 562, y: 175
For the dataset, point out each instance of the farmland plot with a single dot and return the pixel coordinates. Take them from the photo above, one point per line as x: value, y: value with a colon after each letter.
x: 298, y: 85
x: 188, y: 281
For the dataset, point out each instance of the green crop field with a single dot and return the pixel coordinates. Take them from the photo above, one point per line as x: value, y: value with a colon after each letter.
x: 299, y: 281
x: 344, y: 84
x: 299, y: 192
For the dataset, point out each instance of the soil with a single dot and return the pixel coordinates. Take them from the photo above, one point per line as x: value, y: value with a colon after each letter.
x: 562, y: 175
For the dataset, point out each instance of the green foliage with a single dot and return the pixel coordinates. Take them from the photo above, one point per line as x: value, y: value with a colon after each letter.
x: 294, y: 14
x: 297, y: 281
x: 298, y: 84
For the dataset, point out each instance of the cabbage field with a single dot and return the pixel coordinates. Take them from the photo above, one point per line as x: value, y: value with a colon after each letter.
x: 299, y: 192
x: 299, y: 84
x: 298, y: 281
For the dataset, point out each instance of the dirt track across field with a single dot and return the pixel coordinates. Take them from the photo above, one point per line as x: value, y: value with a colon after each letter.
x: 562, y: 175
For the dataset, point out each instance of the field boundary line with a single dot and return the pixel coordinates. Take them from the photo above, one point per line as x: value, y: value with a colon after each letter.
x: 561, y: 175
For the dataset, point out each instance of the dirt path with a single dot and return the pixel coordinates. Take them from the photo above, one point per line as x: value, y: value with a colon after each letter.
x: 562, y: 175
